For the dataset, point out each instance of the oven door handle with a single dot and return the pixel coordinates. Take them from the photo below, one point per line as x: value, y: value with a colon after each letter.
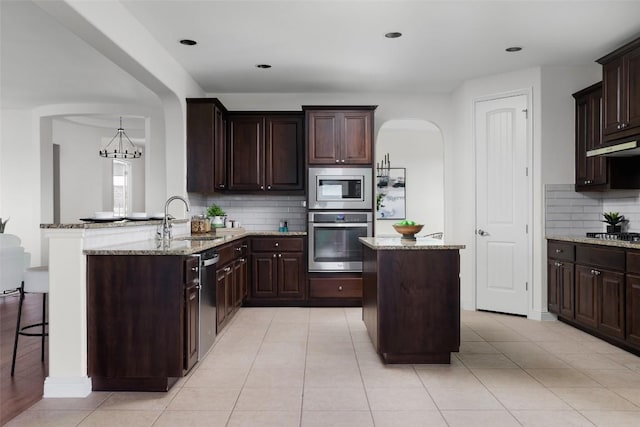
x: 341, y: 225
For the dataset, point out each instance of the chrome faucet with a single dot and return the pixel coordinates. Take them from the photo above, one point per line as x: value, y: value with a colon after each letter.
x: 166, y: 224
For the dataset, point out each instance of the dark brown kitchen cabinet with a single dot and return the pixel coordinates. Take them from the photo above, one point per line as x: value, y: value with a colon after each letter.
x: 231, y: 279
x: 621, y: 92
x: 633, y: 298
x: 339, y: 136
x: 278, y: 269
x: 591, y: 172
x: 206, y: 145
x: 266, y: 152
x: 586, y: 292
x: 142, y: 320
x: 561, y: 294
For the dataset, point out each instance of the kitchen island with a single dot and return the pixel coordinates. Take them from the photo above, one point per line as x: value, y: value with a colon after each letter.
x: 411, y: 298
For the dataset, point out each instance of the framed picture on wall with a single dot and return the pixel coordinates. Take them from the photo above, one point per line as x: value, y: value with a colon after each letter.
x: 391, y: 195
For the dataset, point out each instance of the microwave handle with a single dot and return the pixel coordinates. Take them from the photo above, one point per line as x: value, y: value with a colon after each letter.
x: 340, y: 224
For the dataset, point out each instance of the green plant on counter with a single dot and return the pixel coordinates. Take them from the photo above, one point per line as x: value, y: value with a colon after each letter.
x: 379, y: 198
x: 3, y: 224
x: 215, y: 210
x: 613, y: 218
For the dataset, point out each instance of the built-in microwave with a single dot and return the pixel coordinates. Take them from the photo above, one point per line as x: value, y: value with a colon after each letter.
x: 340, y: 188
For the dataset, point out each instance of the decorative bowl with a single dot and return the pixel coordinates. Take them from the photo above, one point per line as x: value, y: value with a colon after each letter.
x: 408, y: 231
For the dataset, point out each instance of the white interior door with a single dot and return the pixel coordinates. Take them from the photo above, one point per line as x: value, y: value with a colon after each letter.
x: 502, y: 205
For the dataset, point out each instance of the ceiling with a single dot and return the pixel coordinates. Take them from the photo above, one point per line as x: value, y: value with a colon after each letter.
x: 313, y: 46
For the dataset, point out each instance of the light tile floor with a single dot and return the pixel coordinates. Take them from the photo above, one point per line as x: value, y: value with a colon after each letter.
x: 316, y: 367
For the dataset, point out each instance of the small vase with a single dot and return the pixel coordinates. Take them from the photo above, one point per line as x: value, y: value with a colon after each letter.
x: 614, y: 228
x: 217, y: 222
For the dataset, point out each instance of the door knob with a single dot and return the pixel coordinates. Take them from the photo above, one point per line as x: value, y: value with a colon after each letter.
x: 481, y: 232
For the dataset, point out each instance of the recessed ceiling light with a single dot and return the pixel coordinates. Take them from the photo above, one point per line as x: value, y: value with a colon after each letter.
x: 263, y: 66
x: 393, y: 35
x: 188, y: 42
x: 513, y: 49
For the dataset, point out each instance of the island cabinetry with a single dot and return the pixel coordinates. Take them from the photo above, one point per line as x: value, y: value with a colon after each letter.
x: 591, y: 172
x: 621, y: 92
x: 266, y: 152
x: 142, y: 320
x: 335, y: 289
x: 411, y: 303
x: 206, y: 145
x: 339, y: 136
x: 278, y: 269
x: 633, y: 298
x: 231, y: 280
x: 560, y: 273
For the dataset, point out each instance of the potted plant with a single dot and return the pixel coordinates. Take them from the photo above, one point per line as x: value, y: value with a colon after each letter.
x: 613, y: 219
x: 216, y: 213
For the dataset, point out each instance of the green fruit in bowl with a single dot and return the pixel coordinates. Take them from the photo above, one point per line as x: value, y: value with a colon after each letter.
x: 411, y: 223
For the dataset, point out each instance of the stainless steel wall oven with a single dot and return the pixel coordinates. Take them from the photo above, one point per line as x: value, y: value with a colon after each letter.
x: 333, y: 240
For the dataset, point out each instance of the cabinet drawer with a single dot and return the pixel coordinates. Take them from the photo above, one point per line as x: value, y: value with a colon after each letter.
x: 561, y: 251
x: 598, y: 256
x: 335, y: 288
x: 280, y: 244
x: 633, y: 262
x: 190, y: 269
x: 226, y: 254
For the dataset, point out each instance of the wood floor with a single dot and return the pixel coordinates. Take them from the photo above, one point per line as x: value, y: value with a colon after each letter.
x: 25, y: 388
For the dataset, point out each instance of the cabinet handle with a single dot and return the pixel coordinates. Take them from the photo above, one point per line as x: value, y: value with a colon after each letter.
x: 558, y: 264
x: 238, y: 249
x: 559, y: 251
x: 241, y: 259
x: 220, y: 185
x: 277, y: 244
x: 227, y: 269
x: 192, y: 297
x: 342, y: 161
x: 194, y: 268
x: 337, y: 161
x: 274, y: 255
x: 279, y: 255
x: 262, y: 187
x: 340, y: 288
x: 268, y: 187
x: 618, y: 127
x: 244, y: 246
x: 595, y: 272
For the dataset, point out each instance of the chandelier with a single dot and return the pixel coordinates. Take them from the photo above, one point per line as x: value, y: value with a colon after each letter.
x: 119, y: 147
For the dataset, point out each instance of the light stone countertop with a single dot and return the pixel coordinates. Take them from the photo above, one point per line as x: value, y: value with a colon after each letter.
x: 185, y: 245
x: 592, y: 241
x: 396, y: 243
x: 110, y: 224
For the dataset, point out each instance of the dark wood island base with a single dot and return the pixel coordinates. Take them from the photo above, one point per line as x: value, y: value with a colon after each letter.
x: 411, y: 299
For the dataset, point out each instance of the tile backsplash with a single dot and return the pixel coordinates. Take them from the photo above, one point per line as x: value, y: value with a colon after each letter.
x: 570, y: 213
x: 256, y: 212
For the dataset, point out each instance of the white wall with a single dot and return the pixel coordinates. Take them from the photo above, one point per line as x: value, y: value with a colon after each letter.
x: 20, y: 179
x: 416, y: 146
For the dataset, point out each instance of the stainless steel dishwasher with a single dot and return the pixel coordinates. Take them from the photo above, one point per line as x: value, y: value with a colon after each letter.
x: 208, y: 261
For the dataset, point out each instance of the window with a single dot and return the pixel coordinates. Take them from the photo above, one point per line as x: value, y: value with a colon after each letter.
x: 121, y: 187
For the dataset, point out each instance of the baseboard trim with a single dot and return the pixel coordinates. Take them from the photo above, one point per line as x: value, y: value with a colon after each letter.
x: 543, y: 316
x: 67, y: 387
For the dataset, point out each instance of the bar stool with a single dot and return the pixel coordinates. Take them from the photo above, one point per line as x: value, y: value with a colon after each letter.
x: 36, y: 280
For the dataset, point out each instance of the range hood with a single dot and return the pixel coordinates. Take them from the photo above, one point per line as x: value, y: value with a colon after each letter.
x: 623, y: 149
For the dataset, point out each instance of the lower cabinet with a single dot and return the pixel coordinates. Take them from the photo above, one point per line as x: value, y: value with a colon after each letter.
x: 231, y: 281
x: 142, y: 320
x: 278, y: 269
x: 599, y: 293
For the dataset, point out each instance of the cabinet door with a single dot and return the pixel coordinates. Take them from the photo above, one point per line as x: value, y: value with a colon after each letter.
x: 245, y: 280
x: 323, y: 136
x: 598, y: 164
x: 221, y: 298
x: 612, y: 78
x: 566, y: 290
x: 239, y: 280
x: 246, y: 153
x: 611, y: 303
x: 582, y: 140
x: 229, y: 291
x: 291, y: 275
x: 200, y: 146
x: 586, y: 301
x: 284, y: 153
x: 356, y: 142
x: 633, y: 310
x: 192, y: 303
x: 553, y: 286
x: 220, y: 152
x: 632, y: 80
x: 263, y: 269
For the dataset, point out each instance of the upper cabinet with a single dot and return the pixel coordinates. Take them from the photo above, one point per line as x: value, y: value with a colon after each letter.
x: 339, y: 135
x: 621, y: 92
x: 206, y: 145
x: 266, y: 152
x: 591, y: 172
